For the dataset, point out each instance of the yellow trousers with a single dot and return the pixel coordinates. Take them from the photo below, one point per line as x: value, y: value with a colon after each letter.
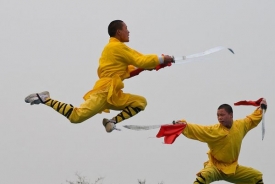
x: 243, y: 175
x: 97, y: 103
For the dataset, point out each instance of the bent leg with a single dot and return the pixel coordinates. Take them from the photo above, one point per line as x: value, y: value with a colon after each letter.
x: 208, y: 174
x: 133, y: 106
x: 246, y: 175
x: 95, y: 104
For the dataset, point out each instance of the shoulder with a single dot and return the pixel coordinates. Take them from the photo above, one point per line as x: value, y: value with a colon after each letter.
x: 213, y: 127
x: 118, y: 46
x: 206, y: 127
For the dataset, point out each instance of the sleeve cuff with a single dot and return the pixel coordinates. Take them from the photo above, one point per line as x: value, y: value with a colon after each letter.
x: 161, y: 59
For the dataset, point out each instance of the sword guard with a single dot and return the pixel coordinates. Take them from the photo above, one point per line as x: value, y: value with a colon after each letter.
x: 173, y: 59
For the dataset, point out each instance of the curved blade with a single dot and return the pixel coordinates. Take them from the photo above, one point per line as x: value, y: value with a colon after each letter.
x: 195, y: 57
x: 141, y: 127
x: 263, y: 125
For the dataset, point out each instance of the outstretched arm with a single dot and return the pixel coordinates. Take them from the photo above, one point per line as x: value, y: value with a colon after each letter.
x: 164, y: 62
x: 210, y: 133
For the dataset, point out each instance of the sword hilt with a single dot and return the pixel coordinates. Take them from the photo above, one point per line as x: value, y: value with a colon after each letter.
x: 173, y: 61
x: 263, y: 106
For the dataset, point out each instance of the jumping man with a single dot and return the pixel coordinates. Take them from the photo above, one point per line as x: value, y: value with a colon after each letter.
x: 117, y: 62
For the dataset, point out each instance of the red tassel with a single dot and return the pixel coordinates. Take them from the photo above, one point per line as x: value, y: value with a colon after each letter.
x: 162, y: 66
x: 136, y: 72
x: 245, y: 102
x: 170, y: 132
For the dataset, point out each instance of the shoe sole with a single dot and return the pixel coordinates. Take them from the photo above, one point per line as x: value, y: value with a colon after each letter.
x: 108, y: 125
x: 33, y: 97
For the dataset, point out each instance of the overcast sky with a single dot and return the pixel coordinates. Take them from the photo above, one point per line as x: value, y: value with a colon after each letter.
x: 55, y: 46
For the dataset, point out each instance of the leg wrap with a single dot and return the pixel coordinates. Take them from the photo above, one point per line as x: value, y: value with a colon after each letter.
x: 62, y: 108
x: 200, y: 180
x: 126, y: 113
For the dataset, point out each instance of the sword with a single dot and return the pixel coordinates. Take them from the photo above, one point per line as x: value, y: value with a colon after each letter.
x: 143, y: 127
x: 194, y: 57
x: 263, y: 107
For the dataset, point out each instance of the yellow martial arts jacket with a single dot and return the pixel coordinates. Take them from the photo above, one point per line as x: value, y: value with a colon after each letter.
x: 224, y: 144
x: 115, y: 64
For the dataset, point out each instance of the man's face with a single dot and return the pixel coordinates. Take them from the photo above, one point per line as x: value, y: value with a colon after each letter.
x: 123, y: 33
x: 225, y: 118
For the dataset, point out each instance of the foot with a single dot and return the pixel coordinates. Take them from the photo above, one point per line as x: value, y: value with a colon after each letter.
x: 109, y: 125
x: 37, y: 98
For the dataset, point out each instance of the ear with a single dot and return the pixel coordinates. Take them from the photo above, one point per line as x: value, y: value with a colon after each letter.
x: 118, y: 32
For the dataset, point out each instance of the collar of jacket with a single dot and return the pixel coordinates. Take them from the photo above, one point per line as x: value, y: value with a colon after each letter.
x: 113, y: 39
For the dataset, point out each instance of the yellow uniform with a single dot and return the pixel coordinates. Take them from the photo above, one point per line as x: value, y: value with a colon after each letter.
x: 224, y: 148
x: 116, y: 62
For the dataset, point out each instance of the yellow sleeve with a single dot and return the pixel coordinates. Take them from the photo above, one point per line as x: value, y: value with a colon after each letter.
x: 123, y: 53
x: 203, y: 133
x: 252, y: 120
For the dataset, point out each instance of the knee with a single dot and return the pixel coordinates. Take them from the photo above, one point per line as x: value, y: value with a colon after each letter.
x: 200, y: 179
x: 144, y: 102
x: 79, y: 115
x: 141, y: 103
x: 76, y: 119
x: 259, y: 178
